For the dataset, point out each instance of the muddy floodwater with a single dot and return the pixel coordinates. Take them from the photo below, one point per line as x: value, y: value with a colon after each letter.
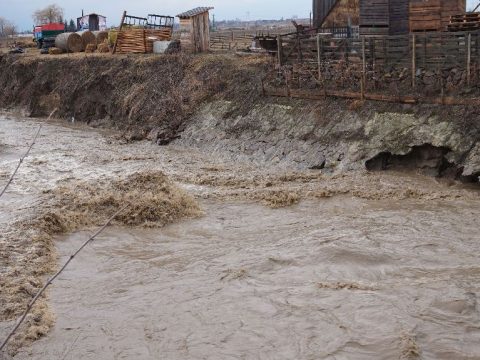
x: 349, y: 276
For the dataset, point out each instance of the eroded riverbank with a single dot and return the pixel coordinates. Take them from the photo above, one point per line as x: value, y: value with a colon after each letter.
x: 360, y: 266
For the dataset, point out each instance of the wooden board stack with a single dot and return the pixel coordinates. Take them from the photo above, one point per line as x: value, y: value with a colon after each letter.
x: 433, y: 15
x: 464, y: 22
x: 153, y: 35
x: 140, y: 41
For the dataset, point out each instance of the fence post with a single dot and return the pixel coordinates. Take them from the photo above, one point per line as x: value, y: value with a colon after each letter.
x: 279, y: 50
x: 364, y: 69
x: 414, y: 65
x: 319, y: 56
x: 469, y: 57
x: 425, y: 52
x: 385, y: 52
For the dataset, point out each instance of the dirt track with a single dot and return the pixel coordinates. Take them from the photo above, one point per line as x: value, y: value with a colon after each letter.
x: 359, y: 266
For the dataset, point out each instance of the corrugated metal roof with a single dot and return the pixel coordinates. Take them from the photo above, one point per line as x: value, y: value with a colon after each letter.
x: 194, y: 12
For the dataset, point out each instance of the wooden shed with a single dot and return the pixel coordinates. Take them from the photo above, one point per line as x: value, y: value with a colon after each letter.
x: 195, y: 29
x: 92, y: 22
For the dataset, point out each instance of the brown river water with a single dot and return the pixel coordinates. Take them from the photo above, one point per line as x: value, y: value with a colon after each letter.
x: 345, y: 277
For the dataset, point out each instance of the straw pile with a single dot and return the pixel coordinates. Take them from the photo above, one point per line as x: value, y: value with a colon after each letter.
x: 90, y: 48
x: 103, y: 48
x: 54, y: 51
x: 100, y: 36
x: 69, y: 42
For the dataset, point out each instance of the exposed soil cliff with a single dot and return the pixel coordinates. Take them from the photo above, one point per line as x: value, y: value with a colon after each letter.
x: 214, y: 102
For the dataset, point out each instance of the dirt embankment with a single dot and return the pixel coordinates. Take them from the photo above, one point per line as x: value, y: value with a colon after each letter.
x: 214, y: 102
x: 135, y: 94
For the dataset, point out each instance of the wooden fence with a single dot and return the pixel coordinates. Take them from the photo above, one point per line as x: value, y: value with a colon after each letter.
x: 231, y: 40
x: 428, y: 50
x: 436, y: 61
x: 241, y: 39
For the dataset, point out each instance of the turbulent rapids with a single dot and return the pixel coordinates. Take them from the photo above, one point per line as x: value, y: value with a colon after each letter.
x: 224, y: 258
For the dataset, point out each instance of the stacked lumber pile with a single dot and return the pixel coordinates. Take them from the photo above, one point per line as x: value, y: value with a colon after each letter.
x: 433, y: 15
x: 464, y: 22
x: 131, y: 41
x: 140, y: 41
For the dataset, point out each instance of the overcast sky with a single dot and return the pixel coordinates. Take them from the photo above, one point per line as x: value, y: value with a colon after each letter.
x: 20, y: 11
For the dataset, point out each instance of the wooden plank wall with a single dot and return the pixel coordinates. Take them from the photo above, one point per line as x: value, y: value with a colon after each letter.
x: 374, y: 17
x: 195, y: 33
x: 321, y: 9
x: 186, y: 34
x: 399, y: 15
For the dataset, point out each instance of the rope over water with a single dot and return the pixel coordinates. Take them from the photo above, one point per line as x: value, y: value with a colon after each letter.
x: 22, y: 159
x: 50, y: 281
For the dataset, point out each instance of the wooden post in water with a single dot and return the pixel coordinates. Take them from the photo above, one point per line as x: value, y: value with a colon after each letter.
x: 469, y: 57
x: 414, y: 65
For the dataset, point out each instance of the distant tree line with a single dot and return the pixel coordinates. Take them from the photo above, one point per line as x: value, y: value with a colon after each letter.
x: 7, y: 28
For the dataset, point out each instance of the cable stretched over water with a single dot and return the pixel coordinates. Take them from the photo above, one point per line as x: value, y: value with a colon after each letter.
x: 50, y: 281
x: 22, y: 159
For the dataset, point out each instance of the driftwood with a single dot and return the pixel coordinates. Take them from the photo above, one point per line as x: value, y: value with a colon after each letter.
x: 69, y: 42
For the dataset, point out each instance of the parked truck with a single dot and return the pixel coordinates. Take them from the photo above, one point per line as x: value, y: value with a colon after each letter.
x: 44, y: 35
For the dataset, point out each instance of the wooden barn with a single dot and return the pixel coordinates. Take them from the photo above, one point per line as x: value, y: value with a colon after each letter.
x: 394, y: 17
x: 195, y: 29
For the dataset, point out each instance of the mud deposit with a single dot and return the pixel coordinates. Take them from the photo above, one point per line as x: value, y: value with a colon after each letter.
x: 282, y: 265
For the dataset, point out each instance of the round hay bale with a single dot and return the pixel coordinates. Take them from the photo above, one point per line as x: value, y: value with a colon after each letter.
x: 88, y: 38
x: 101, y: 36
x: 90, y: 48
x: 69, y: 42
x: 55, y: 51
x: 103, y: 48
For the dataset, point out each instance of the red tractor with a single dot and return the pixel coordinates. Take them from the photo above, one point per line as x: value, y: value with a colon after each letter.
x: 44, y: 35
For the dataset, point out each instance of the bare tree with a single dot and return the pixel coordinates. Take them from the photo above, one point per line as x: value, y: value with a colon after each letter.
x: 3, y: 23
x: 52, y: 13
x: 10, y: 29
x: 7, y: 28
